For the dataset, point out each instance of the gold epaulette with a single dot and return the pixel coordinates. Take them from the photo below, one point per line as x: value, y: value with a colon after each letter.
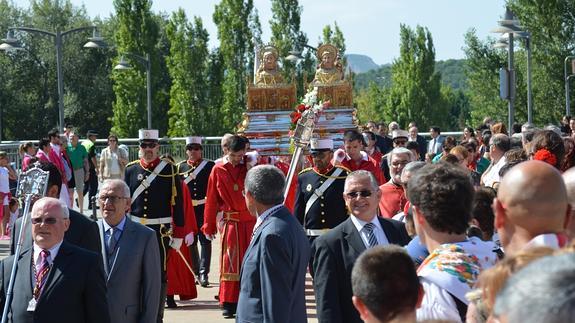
x: 305, y: 170
x: 133, y: 162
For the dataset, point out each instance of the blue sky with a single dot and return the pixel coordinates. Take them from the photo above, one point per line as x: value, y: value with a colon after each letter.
x: 370, y: 27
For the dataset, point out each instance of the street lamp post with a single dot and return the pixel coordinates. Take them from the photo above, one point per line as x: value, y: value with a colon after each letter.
x: 145, y: 61
x: 503, y: 42
x: 96, y: 41
x: 567, y: 79
x: 509, y: 26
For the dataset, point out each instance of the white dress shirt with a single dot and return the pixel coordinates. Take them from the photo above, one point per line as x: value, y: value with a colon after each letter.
x: 53, y: 253
x: 378, y: 230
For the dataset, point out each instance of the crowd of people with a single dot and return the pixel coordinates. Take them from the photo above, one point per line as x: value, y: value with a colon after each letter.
x: 391, y: 227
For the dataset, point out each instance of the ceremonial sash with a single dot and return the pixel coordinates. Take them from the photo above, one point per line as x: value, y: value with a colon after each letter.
x: 320, y: 190
x: 148, y: 180
x: 196, y: 171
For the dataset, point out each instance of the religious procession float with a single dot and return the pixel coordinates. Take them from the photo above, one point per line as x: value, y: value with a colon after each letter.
x: 273, y: 110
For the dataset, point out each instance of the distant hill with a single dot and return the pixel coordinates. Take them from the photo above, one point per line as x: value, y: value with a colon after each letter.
x: 360, y: 63
x: 452, y: 74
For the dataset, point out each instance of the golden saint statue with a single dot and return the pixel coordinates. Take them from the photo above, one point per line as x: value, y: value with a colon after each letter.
x: 268, y: 74
x: 329, y: 70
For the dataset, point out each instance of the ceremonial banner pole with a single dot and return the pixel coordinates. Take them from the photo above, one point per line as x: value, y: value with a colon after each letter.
x: 31, y: 183
x: 302, y: 133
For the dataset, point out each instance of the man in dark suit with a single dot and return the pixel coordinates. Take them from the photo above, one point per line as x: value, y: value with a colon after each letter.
x: 421, y: 142
x: 272, y: 280
x: 335, y: 252
x: 131, y: 258
x: 82, y: 232
x: 56, y: 281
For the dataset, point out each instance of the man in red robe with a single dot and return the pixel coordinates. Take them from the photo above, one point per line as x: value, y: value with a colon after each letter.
x: 225, y: 187
x: 354, y: 159
x: 393, y: 197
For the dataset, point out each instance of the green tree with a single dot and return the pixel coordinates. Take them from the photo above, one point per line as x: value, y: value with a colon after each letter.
x: 336, y: 38
x: 187, y: 64
x: 286, y: 34
x: 138, y: 33
x: 29, y: 97
x: 415, y: 94
x: 215, y: 80
x: 232, y: 20
x: 370, y: 102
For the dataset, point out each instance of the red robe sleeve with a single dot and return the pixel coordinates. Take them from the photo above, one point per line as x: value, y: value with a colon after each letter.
x: 212, y: 203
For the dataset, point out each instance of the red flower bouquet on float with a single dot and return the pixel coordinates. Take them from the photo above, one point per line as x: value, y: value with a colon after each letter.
x: 309, y: 102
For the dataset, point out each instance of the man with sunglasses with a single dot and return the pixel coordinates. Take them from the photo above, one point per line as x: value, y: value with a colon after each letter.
x: 157, y: 200
x: 196, y: 172
x: 56, y: 281
x: 335, y: 252
x: 318, y: 205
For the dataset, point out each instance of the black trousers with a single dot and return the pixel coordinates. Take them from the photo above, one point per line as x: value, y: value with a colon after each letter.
x: 201, y: 260
x: 91, y: 185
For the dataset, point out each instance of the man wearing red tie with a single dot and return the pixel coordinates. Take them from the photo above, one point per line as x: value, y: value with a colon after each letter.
x: 225, y: 187
x: 56, y: 281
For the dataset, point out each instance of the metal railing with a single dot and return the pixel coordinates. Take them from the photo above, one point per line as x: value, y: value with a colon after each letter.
x: 176, y: 147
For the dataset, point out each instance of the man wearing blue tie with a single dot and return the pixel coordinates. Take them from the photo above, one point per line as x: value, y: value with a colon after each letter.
x: 131, y: 258
x: 335, y: 252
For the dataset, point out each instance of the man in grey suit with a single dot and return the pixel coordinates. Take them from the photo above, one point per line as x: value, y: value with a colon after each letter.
x: 272, y: 280
x: 131, y: 258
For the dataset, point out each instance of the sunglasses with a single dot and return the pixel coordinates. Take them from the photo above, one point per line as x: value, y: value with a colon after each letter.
x: 111, y: 199
x: 44, y: 220
x: 148, y: 145
x: 400, y: 142
x: 353, y: 195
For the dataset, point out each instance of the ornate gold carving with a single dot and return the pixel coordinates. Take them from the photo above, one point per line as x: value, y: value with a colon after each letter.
x: 271, y: 98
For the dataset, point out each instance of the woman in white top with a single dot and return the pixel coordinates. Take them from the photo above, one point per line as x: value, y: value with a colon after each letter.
x: 113, y: 160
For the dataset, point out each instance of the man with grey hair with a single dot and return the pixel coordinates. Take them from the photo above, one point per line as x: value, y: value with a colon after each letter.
x: 499, y: 144
x: 272, y: 281
x: 335, y: 252
x: 543, y: 291
x: 392, y: 194
x: 57, y: 281
x: 131, y: 258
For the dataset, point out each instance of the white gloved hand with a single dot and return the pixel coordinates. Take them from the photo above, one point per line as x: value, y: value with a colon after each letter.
x: 252, y: 158
x: 189, y: 239
x: 339, y: 155
x: 210, y: 237
x: 176, y: 243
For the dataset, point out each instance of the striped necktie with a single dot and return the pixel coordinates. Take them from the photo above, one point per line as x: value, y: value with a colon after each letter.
x: 371, y: 239
x: 41, y: 273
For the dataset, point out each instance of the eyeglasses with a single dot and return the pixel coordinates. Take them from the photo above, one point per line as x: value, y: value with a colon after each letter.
x: 353, y: 195
x: 148, y: 145
x: 112, y: 199
x: 49, y: 221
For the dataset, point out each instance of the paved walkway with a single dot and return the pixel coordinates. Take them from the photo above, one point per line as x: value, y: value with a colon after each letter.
x: 203, y: 309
